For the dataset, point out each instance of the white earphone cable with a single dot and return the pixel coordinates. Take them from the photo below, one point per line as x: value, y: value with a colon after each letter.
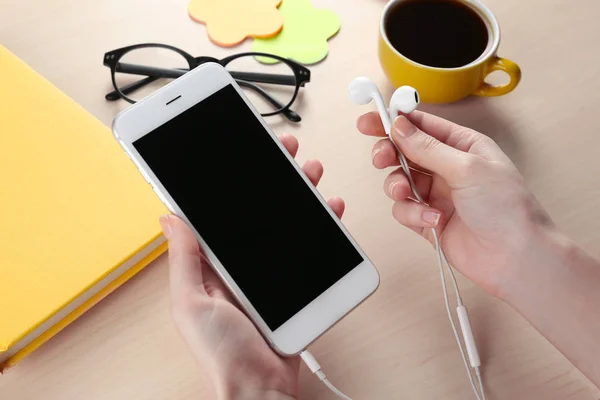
x: 335, y: 390
x: 451, y: 318
x: 441, y: 261
x: 312, y: 364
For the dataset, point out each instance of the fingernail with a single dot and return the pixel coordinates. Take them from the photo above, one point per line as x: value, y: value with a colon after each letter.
x: 404, y: 127
x: 376, y: 160
x: 165, y: 224
x: 431, y: 217
x: 394, y: 191
x: 360, y: 125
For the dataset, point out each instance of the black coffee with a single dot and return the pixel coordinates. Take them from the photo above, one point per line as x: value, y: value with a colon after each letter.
x: 437, y: 33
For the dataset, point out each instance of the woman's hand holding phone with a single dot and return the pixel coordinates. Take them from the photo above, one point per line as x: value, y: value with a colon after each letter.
x: 220, y: 336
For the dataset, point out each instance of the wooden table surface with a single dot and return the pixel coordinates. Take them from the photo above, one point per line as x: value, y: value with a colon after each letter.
x: 398, y: 345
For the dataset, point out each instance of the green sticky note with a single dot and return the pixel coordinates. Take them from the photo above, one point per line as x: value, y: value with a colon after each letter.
x: 305, y: 32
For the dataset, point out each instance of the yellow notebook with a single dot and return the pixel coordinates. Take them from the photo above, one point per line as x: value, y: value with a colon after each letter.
x: 76, y: 218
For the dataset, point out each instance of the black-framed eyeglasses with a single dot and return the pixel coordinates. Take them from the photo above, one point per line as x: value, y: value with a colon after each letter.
x: 271, y: 83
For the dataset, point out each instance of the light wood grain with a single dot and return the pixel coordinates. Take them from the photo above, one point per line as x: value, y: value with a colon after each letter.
x: 398, y: 345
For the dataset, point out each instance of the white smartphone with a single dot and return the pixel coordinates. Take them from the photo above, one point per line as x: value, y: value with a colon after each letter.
x: 267, y: 232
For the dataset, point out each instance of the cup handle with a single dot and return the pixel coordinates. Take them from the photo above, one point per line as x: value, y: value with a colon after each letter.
x: 500, y: 64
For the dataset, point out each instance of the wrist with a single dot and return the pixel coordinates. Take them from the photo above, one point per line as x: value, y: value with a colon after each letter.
x: 539, y: 267
x: 556, y: 290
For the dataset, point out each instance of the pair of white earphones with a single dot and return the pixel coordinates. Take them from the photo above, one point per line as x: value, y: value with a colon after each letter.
x: 405, y: 100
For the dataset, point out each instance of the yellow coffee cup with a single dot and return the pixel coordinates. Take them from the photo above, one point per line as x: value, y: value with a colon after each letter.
x: 440, y: 83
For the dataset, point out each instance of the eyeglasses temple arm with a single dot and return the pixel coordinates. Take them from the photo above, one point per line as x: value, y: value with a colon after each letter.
x: 126, y: 68
x: 156, y: 72
x: 114, y: 95
x: 288, y: 80
x: 288, y: 113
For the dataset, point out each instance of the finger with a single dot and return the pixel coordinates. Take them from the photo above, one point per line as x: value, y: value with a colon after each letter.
x: 184, y: 258
x: 454, y: 135
x: 384, y: 154
x: 337, y: 205
x: 213, y: 285
x: 370, y: 124
x: 457, y: 136
x: 437, y: 127
x: 415, y: 215
x: 313, y: 170
x: 290, y: 143
x: 429, y: 152
x: 397, y: 187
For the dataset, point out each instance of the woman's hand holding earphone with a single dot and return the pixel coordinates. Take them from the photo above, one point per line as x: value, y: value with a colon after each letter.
x: 486, y: 217
x: 493, y: 230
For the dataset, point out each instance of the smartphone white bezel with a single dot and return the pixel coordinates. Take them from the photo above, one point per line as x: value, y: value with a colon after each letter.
x: 329, y: 307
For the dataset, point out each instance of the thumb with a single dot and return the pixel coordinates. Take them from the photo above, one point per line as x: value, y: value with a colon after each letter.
x: 427, y: 151
x: 184, y: 258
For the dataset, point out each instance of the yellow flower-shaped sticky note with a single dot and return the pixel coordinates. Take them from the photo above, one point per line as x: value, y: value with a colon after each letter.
x: 229, y: 22
x: 305, y: 32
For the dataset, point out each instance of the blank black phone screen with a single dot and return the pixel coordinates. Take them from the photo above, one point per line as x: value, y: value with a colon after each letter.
x: 249, y: 204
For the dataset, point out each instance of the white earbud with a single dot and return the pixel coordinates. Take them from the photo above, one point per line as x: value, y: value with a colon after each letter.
x: 362, y: 91
x: 405, y: 99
